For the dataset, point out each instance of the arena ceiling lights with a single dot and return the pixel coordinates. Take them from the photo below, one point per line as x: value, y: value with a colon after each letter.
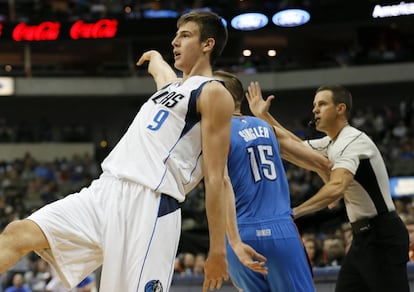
x: 152, y: 13
x: 291, y: 17
x: 284, y: 18
x: 249, y: 21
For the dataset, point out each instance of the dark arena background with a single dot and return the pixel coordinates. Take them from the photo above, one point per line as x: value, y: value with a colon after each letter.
x: 69, y: 87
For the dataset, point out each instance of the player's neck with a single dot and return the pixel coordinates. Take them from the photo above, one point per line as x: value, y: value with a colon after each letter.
x: 333, y: 135
x: 199, y: 69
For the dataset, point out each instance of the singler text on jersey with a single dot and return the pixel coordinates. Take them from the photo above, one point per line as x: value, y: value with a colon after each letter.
x: 254, y: 133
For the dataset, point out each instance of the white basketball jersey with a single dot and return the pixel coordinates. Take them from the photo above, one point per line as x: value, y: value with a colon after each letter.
x: 162, y: 147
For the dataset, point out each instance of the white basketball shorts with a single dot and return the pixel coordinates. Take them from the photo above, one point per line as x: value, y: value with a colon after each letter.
x: 131, y: 230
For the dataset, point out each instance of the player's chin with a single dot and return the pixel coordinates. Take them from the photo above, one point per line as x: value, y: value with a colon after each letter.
x: 178, y: 64
x: 319, y: 126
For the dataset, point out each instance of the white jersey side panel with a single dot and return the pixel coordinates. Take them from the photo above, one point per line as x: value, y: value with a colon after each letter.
x: 162, y: 147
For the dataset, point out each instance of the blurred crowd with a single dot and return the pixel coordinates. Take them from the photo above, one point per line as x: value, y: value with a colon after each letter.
x: 42, y: 130
x: 33, y: 274
x: 376, y: 46
x: 188, y: 264
x: 27, y: 184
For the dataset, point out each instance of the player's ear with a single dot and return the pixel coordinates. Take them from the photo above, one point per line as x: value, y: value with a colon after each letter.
x: 208, y: 44
x: 341, y: 108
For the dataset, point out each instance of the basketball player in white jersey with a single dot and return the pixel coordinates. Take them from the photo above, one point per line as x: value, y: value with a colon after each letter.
x: 129, y: 220
x: 258, y: 201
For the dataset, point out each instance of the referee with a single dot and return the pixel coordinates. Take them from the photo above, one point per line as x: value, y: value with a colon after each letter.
x: 377, y: 258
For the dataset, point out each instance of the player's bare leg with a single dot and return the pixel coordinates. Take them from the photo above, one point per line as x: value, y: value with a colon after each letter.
x: 18, y: 239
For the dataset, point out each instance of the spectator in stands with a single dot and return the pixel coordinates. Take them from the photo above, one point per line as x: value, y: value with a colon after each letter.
x: 38, y: 276
x: 346, y: 230
x: 18, y: 284
x: 409, y: 223
x: 400, y: 130
x: 410, y: 208
x: 401, y: 207
x: 313, y: 248
x: 333, y: 249
x: 199, y: 262
x: 7, y: 132
x: 188, y: 262
x: 179, y: 264
x: 56, y: 285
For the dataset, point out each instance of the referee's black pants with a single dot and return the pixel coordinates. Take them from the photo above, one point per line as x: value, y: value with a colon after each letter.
x: 377, y: 259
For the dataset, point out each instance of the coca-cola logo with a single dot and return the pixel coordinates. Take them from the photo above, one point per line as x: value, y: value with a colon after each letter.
x: 104, y: 28
x: 50, y: 30
x: 45, y: 31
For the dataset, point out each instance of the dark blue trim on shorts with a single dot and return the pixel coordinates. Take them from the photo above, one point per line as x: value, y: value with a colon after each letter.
x: 168, y: 205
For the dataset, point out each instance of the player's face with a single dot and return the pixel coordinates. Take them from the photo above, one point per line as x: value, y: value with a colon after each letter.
x: 187, y: 46
x: 324, y: 110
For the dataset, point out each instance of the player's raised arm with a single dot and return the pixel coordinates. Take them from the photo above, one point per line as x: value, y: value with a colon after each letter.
x: 158, y: 68
x: 296, y: 152
x: 260, y: 108
x: 291, y: 146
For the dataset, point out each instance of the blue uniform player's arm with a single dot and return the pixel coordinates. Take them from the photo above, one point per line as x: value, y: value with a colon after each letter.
x: 292, y: 147
x: 246, y: 254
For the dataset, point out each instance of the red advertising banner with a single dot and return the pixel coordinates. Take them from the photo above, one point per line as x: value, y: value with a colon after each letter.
x: 106, y: 28
x: 51, y: 30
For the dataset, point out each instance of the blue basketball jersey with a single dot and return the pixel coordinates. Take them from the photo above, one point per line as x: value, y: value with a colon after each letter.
x: 257, y: 173
x: 264, y: 214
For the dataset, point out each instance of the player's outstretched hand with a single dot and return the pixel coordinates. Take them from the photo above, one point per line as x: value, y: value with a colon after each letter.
x: 215, y: 271
x: 146, y: 56
x: 257, y: 104
x: 250, y: 258
x: 160, y: 70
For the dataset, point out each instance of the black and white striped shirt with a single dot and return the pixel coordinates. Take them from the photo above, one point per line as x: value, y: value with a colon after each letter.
x: 369, y: 194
